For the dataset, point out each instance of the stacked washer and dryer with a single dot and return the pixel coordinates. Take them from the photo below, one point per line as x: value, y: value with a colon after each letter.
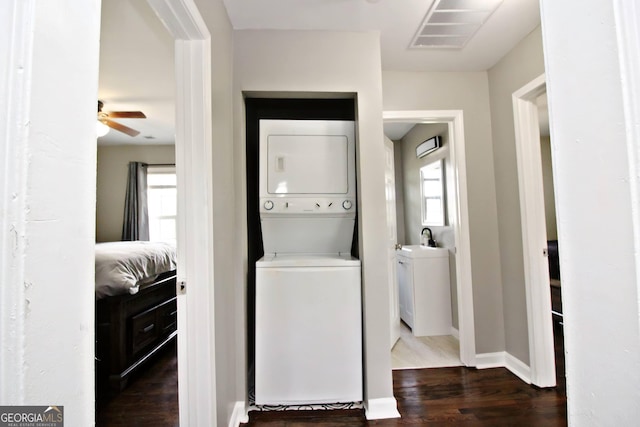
x: 308, y: 331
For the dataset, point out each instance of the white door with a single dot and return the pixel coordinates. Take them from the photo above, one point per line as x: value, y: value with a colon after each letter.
x: 392, y: 240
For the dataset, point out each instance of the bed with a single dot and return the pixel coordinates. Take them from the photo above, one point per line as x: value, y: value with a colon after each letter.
x: 135, y: 306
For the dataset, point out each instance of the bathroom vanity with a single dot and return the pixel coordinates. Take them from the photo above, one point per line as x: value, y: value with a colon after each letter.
x: 425, y: 290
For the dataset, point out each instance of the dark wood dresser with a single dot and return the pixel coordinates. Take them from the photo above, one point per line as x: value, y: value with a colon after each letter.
x: 131, y: 328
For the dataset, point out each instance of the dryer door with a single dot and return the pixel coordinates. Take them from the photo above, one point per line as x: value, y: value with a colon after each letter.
x: 306, y: 157
x: 307, y: 164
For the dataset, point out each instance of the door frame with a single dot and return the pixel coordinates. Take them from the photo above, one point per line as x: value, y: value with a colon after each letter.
x: 534, y: 241
x: 394, y: 294
x: 464, y: 285
x: 194, y: 169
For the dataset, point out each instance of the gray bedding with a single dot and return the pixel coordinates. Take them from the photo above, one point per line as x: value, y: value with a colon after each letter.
x: 123, y: 267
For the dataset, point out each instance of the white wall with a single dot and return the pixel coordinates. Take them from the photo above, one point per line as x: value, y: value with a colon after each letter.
x: 469, y: 92
x: 315, y: 62
x: 597, y: 204
x: 520, y: 66
x: 113, y: 164
x: 50, y: 74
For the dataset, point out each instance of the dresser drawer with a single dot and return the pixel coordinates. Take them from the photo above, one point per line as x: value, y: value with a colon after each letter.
x: 167, y: 317
x: 144, y: 330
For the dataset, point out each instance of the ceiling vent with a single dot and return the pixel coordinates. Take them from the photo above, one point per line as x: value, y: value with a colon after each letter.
x: 450, y: 24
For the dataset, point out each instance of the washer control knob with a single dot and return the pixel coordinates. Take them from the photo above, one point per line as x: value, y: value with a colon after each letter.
x: 268, y: 205
x: 347, y: 204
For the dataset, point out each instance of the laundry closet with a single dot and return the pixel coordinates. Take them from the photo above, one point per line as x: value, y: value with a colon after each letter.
x: 305, y: 293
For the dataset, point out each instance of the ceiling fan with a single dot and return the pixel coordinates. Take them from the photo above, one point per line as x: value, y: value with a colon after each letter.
x: 105, y: 118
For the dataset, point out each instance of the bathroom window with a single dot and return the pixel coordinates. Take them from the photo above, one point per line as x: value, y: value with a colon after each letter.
x: 432, y: 192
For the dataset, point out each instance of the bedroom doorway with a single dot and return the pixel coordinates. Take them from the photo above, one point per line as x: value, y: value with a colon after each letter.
x: 193, y: 154
x: 135, y: 201
x: 458, y: 218
x: 135, y: 331
x: 534, y: 233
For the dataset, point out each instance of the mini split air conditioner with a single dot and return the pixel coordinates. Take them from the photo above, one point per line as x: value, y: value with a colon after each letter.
x: 428, y: 146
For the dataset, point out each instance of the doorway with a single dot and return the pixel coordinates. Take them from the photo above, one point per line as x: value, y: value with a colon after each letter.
x: 134, y: 43
x: 457, y: 213
x: 193, y: 154
x: 428, y: 326
x: 534, y: 232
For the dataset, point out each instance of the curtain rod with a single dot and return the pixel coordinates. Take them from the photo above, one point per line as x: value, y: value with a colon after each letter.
x: 161, y: 164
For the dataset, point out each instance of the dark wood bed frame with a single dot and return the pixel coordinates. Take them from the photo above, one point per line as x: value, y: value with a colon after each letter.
x: 132, y: 328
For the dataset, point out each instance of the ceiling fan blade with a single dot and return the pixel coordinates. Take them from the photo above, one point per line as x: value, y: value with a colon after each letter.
x: 126, y: 114
x: 119, y: 127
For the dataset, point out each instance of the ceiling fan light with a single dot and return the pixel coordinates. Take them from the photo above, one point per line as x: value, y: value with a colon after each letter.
x: 101, y: 129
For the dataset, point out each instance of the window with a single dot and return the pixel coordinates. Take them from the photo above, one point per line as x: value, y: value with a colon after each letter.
x: 432, y: 191
x: 162, y: 202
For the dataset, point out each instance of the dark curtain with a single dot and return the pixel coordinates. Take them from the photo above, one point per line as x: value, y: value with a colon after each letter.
x: 136, y: 215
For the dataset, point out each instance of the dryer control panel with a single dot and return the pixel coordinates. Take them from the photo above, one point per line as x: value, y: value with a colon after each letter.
x: 307, y: 205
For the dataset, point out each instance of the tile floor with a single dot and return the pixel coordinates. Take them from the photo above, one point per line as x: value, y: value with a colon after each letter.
x: 424, y: 352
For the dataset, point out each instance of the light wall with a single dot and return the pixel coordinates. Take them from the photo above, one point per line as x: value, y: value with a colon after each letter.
x: 113, y: 163
x: 310, y: 63
x: 412, y: 200
x: 399, y: 174
x: 48, y: 85
x: 524, y: 63
x: 411, y: 179
x: 549, y: 196
x: 594, y: 111
x: 469, y: 92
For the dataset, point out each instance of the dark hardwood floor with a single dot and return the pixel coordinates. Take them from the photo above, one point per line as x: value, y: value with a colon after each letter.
x: 444, y: 396
x: 450, y: 396
x: 151, y: 399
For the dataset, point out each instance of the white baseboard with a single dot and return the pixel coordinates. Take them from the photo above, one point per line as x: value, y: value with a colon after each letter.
x: 455, y: 333
x: 239, y: 414
x: 518, y: 367
x: 502, y: 359
x: 377, y: 409
x: 490, y: 360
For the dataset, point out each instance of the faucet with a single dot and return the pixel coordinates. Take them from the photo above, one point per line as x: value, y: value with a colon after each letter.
x: 431, y: 243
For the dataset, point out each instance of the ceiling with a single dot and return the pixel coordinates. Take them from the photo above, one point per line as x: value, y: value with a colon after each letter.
x: 136, y: 53
x: 395, y: 131
x: 136, y: 72
x: 397, y: 21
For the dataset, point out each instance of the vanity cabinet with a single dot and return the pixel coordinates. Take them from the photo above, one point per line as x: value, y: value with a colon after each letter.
x: 425, y: 290
x: 404, y: 270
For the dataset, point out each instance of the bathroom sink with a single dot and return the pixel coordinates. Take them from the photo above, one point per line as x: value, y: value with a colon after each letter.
x: 420, y: 251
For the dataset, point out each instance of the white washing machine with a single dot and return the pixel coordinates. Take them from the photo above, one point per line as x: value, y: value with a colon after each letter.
x: 308, y: 287
x: 308, y: 330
